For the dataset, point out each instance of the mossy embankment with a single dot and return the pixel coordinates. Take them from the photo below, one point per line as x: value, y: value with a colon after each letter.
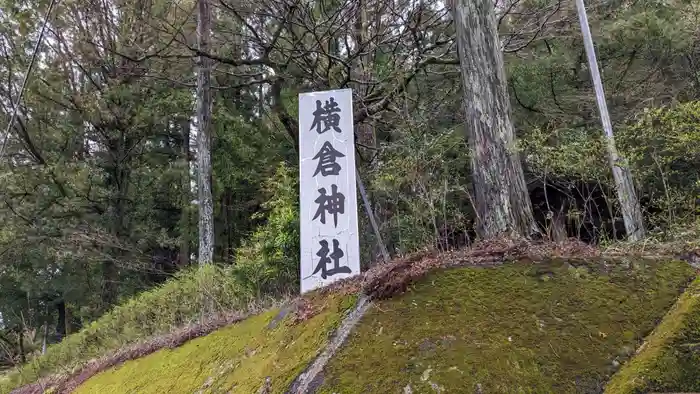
x: 157, y: 312
x: 559, y: 326
x: 267, y: 350
x: 669, y: 360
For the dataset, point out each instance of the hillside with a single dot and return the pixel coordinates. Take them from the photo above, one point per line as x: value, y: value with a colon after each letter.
x: 161, y: 163
x: 542, y: 325
x: 517, y: 183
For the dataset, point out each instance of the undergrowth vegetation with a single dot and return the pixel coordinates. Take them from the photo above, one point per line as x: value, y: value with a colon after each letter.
x: 663, y: 146
x: 422, y: 184
x: 268, y: 262
x: 265, y: 270
x: 660, y: 146
x: 157, y: 311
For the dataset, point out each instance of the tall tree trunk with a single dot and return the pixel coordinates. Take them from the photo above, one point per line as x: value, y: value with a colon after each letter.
x: 185, y: 198
x: 365, y: 133
x: 224, y: 221
x: 22, y: 354
x: 626, y: 195
x: 501, y: 198
x: 110, y: 272
x: 69, y: 320
x: 229, y: 220
x: 61, y: 323
x: 204, y: 109
x: 119, y: 182
x: 45, y: 338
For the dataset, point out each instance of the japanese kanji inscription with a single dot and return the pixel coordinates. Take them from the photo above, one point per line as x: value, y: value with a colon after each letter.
x: 328, y: 194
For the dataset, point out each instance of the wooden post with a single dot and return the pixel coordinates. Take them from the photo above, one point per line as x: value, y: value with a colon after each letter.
x: 372, y: 220
x: 631, y: 211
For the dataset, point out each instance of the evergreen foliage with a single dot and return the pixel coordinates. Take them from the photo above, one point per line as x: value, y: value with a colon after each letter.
x: 97, y: 187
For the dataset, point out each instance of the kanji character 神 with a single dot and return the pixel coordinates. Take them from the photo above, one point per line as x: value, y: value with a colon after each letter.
x: 333, y: 204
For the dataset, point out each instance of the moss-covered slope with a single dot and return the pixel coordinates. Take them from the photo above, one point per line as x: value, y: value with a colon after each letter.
x: 669, y: 360
x: 536, y: 328
x: 555, y: 327
x: 236, y: 359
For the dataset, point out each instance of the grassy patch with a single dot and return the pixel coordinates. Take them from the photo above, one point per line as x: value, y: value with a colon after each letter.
x: 158, y: 311
x: 236, y: 359
x: 670, y: 358
x: 547, y: 327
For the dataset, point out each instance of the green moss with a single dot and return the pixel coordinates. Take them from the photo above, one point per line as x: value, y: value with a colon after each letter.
x: 150, y: 313
x: 548, y: 327
x: 236, y: 359
x: 670, y: 357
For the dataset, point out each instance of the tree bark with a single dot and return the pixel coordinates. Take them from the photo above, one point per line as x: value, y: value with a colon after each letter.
x: 118, y: 182
x: 365, y: 132
x: 204, y: 110
x: 501, y: 199
x: 626, y: 195
x: 45, y: 338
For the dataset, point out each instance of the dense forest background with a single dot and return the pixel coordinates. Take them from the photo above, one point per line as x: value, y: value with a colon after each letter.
x: 98, y: 198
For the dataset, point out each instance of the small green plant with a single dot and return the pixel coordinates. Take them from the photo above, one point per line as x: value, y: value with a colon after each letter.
x: 268, y: 262
x: 662, y: 148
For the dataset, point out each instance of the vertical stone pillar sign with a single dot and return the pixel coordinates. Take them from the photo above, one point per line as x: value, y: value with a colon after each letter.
x: 330, y: 244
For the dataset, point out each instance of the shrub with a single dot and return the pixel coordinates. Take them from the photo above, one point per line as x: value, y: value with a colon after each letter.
x: 663, y: 148
x: 268, y: 262
x: 422, y: 188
